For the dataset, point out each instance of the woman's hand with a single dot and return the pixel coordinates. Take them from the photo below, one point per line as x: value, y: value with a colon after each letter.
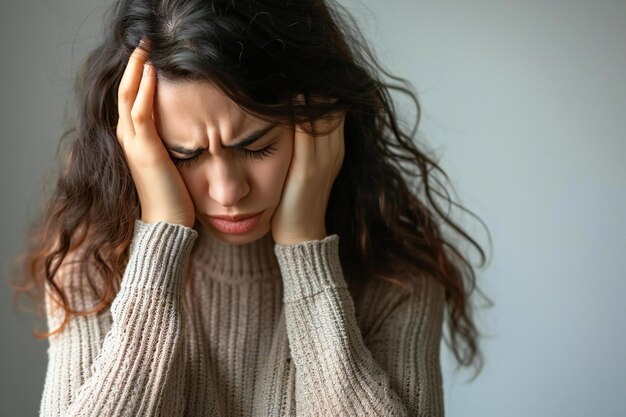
x: 315, y: 164
x: 163, y: 195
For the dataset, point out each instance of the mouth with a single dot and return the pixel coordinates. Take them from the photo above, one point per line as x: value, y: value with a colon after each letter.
x: 238, y: 224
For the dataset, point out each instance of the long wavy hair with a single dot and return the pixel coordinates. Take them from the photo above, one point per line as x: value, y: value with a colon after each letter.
x: 261, y: 54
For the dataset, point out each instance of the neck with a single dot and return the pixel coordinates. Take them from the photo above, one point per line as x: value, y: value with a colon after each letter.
x: 253, y: 261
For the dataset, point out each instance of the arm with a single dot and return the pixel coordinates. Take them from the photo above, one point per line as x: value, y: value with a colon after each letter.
x: 127, y: 362
x: 404, y: 336
x: 336, y: 373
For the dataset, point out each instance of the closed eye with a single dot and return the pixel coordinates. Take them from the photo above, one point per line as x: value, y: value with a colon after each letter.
x: 257, y: 155
x: 260, y: 154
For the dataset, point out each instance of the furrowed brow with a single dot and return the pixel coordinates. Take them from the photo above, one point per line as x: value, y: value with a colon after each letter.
x: 240, y: 143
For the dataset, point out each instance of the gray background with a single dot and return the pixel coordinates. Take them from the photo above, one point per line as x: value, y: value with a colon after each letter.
x: 525, y: 104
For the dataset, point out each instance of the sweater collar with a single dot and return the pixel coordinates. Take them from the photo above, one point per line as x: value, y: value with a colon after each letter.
x: 221, y: 261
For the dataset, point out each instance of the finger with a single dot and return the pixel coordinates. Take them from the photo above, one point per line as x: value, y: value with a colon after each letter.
x: 327, y: 144
x: 341, y: 149
x: 304, y: 144
x: 129, y: 84
x: 330, y: 147
x: 141, y: 112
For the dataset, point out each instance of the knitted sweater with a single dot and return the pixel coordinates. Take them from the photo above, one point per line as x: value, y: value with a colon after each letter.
x: 264, y: 329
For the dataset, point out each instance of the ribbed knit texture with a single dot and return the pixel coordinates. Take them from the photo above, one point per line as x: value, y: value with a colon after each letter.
x: 263, y: 330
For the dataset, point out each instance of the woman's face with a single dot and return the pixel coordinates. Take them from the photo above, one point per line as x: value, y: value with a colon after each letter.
x: 197, y: 118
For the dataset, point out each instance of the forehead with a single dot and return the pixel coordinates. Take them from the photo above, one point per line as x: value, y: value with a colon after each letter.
x: 194, y: 96
x: 197, y: 102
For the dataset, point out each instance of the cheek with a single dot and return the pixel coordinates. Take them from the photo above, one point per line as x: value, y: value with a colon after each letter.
x: 271, y: 174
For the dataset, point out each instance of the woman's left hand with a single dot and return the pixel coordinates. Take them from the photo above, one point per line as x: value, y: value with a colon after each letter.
x: 316, y: 161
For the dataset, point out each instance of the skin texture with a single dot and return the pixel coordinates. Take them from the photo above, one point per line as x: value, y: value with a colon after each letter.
x: 223, y: 181
x: 291, y: 185
x: 315, y: 164
x: 160, y: 188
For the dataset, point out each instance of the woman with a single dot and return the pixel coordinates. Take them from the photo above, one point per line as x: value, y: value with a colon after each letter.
x: 234, y: 232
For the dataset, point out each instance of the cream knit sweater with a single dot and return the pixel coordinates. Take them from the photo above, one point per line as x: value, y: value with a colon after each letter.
x: 264, y: 330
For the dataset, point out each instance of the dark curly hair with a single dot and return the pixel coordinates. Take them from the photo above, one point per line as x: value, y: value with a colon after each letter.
x: 261, y: 54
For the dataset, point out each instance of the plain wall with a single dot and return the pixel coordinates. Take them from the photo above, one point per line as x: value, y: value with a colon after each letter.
x: 524, y: 102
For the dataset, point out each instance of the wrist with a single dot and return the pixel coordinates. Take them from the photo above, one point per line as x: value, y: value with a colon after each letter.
x: 303, y: 236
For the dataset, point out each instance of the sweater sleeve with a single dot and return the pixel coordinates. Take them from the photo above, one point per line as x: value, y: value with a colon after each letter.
x: 129, y: 360
x: 336, y: 373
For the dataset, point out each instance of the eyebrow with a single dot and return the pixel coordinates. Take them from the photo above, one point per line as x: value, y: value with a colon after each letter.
x: 240, y: 143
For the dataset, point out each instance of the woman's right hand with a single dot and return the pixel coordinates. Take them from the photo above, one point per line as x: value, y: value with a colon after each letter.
x: 163, y: 195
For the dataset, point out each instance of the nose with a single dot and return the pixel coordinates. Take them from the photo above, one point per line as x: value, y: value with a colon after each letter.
x: 227, y: 182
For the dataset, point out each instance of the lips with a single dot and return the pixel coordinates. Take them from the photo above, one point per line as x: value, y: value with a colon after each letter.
x: 235, y: 218
x: 244, y: 223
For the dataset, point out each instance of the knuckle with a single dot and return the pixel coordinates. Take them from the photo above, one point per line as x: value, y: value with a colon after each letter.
x: 138, y: 116
x: 123, y: 94
x: 307, y: 173
x: 120, y: 134
x: 137, y: 55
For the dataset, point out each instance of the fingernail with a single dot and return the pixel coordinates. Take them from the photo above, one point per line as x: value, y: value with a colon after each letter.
x: 146, y: 68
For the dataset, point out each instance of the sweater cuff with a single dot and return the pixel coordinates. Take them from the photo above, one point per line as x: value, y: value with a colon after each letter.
x: 310, y: 267
x: 158, y: 255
